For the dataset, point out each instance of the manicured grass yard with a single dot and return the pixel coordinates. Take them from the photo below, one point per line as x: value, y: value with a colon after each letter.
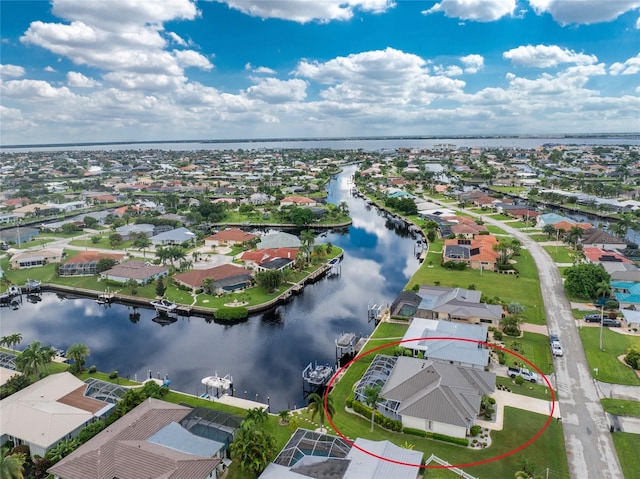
x: 560, y: 254
x: 610, y: 370
x: 538, y: 391
x: 621, y: 407
x: 499, y: 217
x: 34, y: 242
x: 540, y: 237
x: 627, y: 448
x: 524, y: 289
x: 521, y: 426
x: 496, y: 230
x: 532, y: 346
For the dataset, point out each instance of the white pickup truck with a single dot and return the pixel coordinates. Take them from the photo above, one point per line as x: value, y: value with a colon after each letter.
x: 524, y: 373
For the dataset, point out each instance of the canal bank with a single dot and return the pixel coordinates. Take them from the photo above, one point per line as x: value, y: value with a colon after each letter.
x: 266, y: 353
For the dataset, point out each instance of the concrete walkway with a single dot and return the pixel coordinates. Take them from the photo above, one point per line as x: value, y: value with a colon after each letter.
x: 518, y: 401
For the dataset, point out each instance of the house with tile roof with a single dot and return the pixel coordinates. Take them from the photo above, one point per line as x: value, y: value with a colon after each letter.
x: 153, y: 441
x: 598, y: 238
x: 48, y: 411
x: 229, y: 237
x: 34, y: 259
x: 139, y: 271
x: 226, y: 277
x: 456, y: 304
x: 601, y: 255
x: 477, y: 253
x: 85, y: 263
x: 254, y: 259
x: 298, y: 201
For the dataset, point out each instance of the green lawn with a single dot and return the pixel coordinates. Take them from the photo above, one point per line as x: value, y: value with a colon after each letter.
x: 524, y: 290
x: 538, y: 391
x: 519, y: 224
x: 34, y: 242
x: 499, y: 217
x: 627, y: 448
x: 610, y: 370
x: 560, y: 254
x: 104, y: 243
x: 521, y: 426
x: 532, y: 346
x: 621, y: 407
x: 105, y: 377
x: 496, y: 230
x: 539, y: 237
x: 59, y: 235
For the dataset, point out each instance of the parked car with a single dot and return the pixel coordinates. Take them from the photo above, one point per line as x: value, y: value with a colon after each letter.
x: 524, y: 373
x: 553, y: 338
x: 592, y: 318
x: 556, y: 349
x: 614, y: 323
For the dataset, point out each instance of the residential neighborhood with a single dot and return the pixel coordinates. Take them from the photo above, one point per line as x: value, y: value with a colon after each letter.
x: 242, y: 231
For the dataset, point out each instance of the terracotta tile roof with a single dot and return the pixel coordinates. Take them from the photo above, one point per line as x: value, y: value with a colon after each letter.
x: 88, y: 256
x: 261, y: 255
x: 197, y: 276
x: 297, y: 199
x: 232, y: 234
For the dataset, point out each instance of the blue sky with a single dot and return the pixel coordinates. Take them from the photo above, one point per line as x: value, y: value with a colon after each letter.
x: 125, y: 70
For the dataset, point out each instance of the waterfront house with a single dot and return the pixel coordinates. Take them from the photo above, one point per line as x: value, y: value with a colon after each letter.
x: 279, y: 239
x: 477, y: 253
x: 627, y: 293
x: 85, y: 263
x: 173, y: 237
x: 128, y: 232
x: 226, y: 277
x: 156, y: 439
x: 597, y: 238
x: 254, y: 259
x: 601, y: 256
x: 447, y: 304
x: 455, y: 350
x: 34, y: 259
x: 139, y: 271
x: 428, y: 395
x: 316, y: 454
x: 298, y: 201
x: 229, y: 237
x: 18, y: 235
x: 51, y: 410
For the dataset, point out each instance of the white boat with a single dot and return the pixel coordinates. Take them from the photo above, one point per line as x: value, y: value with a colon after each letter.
x: 317, y: 374
x: 164, y: 305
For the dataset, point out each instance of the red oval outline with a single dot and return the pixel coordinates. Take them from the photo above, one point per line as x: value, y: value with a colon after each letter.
x: 468, y: 464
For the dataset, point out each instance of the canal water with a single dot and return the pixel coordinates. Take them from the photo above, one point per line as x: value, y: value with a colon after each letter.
x: 265, y: 354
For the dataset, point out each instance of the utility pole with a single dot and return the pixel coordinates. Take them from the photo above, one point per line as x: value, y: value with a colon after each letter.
x: 601, y: 321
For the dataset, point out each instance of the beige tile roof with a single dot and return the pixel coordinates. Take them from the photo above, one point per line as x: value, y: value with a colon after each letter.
x: 122, y: 450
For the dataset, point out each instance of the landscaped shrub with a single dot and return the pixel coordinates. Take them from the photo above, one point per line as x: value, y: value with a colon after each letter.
x: 633, y: 358
x: 497, y: 335
x: 91, y: 430
x: 350, y: 401
x: 93, y: 369
x: 231, y: 314
x: 475, y: 430
x: 378, y: 417
x: 455, y: 265
x: 113, y: 375
x: 414, y: 432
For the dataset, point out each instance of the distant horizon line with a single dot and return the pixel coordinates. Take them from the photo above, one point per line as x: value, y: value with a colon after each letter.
x: 558, y: 136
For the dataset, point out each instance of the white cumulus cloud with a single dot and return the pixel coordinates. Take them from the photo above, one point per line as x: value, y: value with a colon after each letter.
x: 11, y: 71
x: 189, y: 58
x: 546, y: 56
x: 478, y: 10
x: 472, y: 63
x: 49, y: 69
x: 584, y: 11
x: 273, y: 90
x: 629, y: 67
x: 78, y: 80
x: 304, y: 11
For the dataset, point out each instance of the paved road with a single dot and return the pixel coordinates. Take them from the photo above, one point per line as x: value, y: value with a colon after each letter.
x: 588, y: 443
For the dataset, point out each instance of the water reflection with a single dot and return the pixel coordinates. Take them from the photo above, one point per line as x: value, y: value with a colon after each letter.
x: 265, y: 354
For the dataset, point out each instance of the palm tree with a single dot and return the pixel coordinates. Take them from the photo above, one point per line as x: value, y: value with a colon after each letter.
x: 258, y: 415
x: 78, y: 352
x: 11, y: 465
x: 308, y: 239
x: 34, y: 359
x: 14, y: 340
x: 371, y: 396
x: 315, y: 405
x: 252, y: 447
x: 574, y: 234
x: 284, y: 415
